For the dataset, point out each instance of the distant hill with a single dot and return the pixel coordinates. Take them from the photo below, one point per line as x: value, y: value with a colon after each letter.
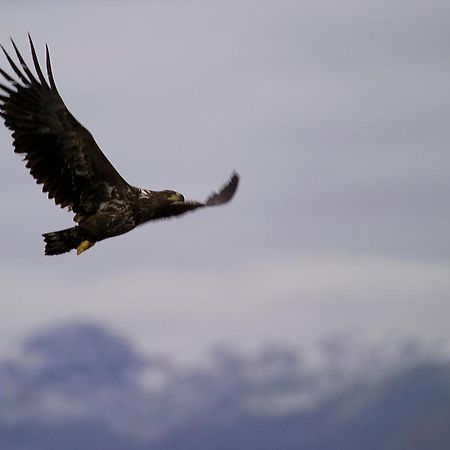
x: 79, y: 386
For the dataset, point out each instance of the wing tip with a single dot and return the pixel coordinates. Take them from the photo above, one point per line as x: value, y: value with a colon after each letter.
x: 226, y: 193
x: 49, y: 69
x: 235, y: 176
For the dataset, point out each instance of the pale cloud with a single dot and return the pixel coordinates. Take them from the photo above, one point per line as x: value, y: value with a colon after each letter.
x: 334, y: 114
x: 184, y: 311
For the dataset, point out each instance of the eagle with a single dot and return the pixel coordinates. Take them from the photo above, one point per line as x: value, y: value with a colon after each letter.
x: 64, y: 158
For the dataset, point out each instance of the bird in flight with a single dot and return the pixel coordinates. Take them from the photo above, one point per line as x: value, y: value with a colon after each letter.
x: 63, y: 156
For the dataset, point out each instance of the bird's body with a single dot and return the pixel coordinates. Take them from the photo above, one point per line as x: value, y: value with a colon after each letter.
x: 63, y: 156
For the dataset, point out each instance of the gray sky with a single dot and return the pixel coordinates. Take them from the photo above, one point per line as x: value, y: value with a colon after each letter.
x: 334, y: 113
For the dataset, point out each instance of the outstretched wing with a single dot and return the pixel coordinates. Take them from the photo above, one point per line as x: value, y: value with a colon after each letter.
x: 225, y: 194
x: 61, y: 154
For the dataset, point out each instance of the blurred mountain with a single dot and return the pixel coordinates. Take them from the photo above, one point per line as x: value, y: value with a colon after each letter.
x: 79, y: 386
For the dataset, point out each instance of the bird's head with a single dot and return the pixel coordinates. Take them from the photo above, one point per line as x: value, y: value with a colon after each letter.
x: 173, y: 197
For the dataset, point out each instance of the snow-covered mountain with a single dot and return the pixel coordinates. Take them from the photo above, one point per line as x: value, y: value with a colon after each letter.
x: 85, y: 387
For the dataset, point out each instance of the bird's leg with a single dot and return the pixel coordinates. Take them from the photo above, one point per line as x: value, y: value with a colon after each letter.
x: 84, y: 246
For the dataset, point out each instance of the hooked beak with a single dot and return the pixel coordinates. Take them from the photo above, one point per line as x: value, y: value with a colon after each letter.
x: 176, y: 198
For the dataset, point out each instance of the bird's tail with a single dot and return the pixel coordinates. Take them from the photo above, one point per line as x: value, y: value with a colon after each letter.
x: 63, y: 241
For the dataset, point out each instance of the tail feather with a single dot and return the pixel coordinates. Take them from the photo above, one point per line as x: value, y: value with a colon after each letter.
x: 62, y: 241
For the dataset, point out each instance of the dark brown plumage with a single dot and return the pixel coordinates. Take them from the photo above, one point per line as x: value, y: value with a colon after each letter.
x: 63, y: 156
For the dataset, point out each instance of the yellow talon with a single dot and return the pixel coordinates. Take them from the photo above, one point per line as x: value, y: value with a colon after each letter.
x: 84, y: 246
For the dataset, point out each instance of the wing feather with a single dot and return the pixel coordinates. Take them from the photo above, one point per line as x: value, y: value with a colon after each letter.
x: 14, y: 67
x: 49, y: 69
x: 27, y: 71
x: 226, y: 193
x: 60, y: 153
x: 7, y: 76
x: 36, y: 64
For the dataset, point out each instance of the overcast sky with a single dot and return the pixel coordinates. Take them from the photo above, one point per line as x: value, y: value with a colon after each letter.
x: 334, y: 113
